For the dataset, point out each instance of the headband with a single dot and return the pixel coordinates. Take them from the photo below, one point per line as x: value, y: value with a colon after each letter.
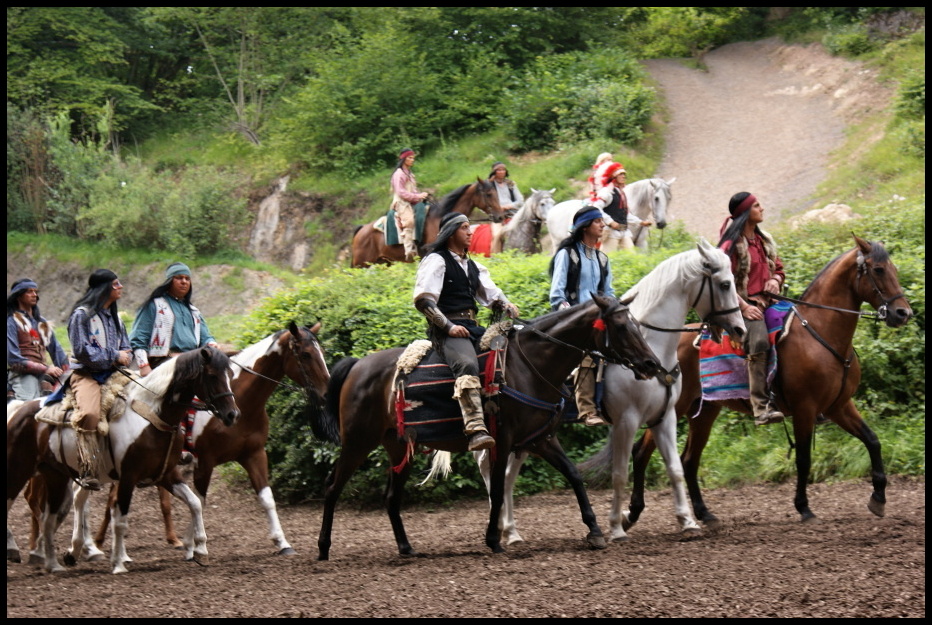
x: 745, y: 205
x: 450, y: 226
x: 23, y: 285
x: 587, y: 217
x: 406, y: 153
x: 177, y: 269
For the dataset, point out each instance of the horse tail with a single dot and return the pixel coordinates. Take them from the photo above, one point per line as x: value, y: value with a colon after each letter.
x: 326, y: 424
x: 597, y: 470
x: 440, y: 464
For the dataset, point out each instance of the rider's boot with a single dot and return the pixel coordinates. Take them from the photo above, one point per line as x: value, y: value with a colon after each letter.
x: 764, y: 412
x: 407, y: 239
x: 585, y: 394
x: 88, y: 446
x: 466, y: 391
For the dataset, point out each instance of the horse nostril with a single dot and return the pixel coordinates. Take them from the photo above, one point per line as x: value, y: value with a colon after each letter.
x: 661, y: 224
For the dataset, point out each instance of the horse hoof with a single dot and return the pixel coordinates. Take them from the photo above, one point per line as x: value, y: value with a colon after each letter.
x: 596, y: 542
x: 176, y: 544
x: 287, y: 551
x: 97, y: 557
x: 712, y: 523
x: 876, y: 507
x: 12, y: 555
x: 199, y: 558
x: 35, y: 558
x: 69, y: 560
x: 620, y: 539
x: 693, y: 533
x: 809, y: 519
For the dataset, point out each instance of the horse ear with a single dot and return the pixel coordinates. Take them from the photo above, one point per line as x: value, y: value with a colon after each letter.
x: 293, y: 328
x: 865, y: 246
x: 671, y: 181
x: 552, y: 190
x: 533, y: 190
x: 315, y: 328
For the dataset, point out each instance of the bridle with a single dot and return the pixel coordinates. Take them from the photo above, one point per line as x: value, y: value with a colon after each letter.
x: 305, y: 373
x: 713, y: 311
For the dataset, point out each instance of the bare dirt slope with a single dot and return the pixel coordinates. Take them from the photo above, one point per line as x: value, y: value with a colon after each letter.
x: 773, y: 127
x: 764, y: 117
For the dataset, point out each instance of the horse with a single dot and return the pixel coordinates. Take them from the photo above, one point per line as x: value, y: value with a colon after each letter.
x: 538, y: 356
x: 368, y: 245
x: 141, y: 448
x: 648, y: 200
x: 520, y: 232
x: 259, y: 369
x: 818, y: 375
x: 698, y: 279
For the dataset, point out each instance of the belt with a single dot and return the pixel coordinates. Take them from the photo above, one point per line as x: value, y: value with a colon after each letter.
x: 463, y: 314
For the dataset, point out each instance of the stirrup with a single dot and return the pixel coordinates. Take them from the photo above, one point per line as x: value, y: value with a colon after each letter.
x: 769, y: 417
x: 594, y: 419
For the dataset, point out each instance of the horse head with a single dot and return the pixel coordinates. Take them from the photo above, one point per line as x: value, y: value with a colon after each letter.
x: 716, y: 301
x: 540, y: 203
x: 622, y: 342
x: 306, y: 364
x: 660, y: 198
x: 881, y: 286
x: 485, y: 197
x: 206, y: 373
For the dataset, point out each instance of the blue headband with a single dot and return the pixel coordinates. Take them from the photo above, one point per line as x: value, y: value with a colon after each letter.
x: 24, y: 285
x: 177, y: 269
x: 584, y: 219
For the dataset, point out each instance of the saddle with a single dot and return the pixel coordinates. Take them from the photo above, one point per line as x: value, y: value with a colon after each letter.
x: 58, y: 408
x: 423, y: 387
x: 387, y: 225
x: 723, y: 372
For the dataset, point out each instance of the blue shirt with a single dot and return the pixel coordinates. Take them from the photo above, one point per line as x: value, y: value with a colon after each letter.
x: 87, y: 352
x: 182, y: 329
x: 589, y: 275
x: 15, y: 357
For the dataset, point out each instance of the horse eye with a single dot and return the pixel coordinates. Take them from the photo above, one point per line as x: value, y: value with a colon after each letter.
x: 726, y: 285
x: 879, y: 270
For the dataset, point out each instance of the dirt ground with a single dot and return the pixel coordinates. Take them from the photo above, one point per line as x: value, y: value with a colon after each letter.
x: 763, y: 118
x: 762, y: 563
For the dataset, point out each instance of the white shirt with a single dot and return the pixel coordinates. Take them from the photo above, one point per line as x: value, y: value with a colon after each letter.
x: 430, y: 275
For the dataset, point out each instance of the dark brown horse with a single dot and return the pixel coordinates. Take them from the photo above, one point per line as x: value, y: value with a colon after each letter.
x: 258, y: 371
x: 369, y: 244
x: 539, y: 356
x: 142, y: 447
x: 818, y: 375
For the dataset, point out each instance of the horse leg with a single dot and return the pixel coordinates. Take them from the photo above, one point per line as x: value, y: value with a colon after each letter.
x: 195, y: 537
x: 57, y: 503
x: 394, y: 492
x: 165, y: 505
x: 35, y: 496
x: 643, y: 449
x: 849, y: 419
x: 803, y: 425
x: 82, y: 546
x: 700, y: 427
x: 343, y: 469
x: 257, y: 466
x: 101, y: 534
x: 506, y: 523
x: 551, y: 451
x: 665, y: 435
x: 623, y: 431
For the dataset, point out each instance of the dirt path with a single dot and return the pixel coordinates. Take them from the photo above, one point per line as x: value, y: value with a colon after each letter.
x: 764, y: 118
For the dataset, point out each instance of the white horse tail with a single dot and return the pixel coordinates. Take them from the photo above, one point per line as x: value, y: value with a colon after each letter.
x: 441, y: 463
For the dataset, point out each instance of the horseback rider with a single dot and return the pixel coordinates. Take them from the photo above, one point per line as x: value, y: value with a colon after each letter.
x: 758, y: 274
x: 595, y: 183
x: 406, y: 195
x: 509, y: 198
x: 446, y: 289
x: 578, y: 270
x: 168, y: 324
x: 99, y: 347
x: 28, y: 337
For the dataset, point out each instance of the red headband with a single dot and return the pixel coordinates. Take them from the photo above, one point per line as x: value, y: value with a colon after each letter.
x: 406, y: 154
x: 745, y: 205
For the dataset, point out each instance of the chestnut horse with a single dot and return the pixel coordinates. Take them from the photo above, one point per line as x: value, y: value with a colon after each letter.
x: 369, y: 244
x: 141, y: 448
x: 818, y: 375
x: 539, y: 355
x: 258, y: 371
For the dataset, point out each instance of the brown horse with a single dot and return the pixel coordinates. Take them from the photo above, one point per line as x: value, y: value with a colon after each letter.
x: 818, y: 375
x: 369, y: 244
x: 141, y: 448
x: 539, y: 356
x: 258, y: 371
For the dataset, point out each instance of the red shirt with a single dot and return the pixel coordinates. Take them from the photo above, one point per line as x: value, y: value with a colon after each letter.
x: 760, y: 270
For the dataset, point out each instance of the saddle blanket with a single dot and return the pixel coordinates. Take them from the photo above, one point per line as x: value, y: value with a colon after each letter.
x: 428, y: 409
x: 387, y: 226
x: 723, y: 371
x: 481, y: 242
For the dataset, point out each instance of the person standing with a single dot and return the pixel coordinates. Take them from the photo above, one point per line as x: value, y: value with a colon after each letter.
x: 29, y: 337
x: 509, y: 198
x: 99, y: 347
x: 447, y: 286
x: 758, y: 274
x: 168, y: 324
x: 405, y: 196
x: 578, y: 270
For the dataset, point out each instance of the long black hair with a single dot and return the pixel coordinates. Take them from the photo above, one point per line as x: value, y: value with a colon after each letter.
x: 100, y: 286
x: 576, y: 235
x: 736, y: 227
x: 161, y: 290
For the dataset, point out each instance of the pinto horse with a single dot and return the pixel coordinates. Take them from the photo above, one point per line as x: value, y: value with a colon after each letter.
x: 818, y: 375
x: 539, y: 355
x: 368, y: 246
x: 258, y: 370
x: 141, y: 448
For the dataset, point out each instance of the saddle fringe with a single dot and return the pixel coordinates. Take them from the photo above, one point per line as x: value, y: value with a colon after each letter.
x: 113, y: 394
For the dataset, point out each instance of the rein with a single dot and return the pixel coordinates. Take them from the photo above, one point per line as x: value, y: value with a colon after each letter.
x: 706, y: 280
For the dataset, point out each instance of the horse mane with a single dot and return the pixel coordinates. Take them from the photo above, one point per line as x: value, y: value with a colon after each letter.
x: 645, y: 186
x: 653, y: 287
x: 249, y: 355
x: 878, y: 256
x: 450, y: 199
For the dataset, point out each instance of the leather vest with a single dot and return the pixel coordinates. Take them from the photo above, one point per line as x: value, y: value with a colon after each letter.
x: 617, y: 209
x: 459, y: 289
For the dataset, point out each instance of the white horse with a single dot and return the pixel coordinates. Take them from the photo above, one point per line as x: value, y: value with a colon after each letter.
x: 700, y: 279
x: 522, y: 232
x: 648, y: 200
x: 141, y: 447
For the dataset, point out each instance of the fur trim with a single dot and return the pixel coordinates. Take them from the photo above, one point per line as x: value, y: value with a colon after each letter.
x: 744, y: 259
x: 413, y: 355
x: 500, y: 328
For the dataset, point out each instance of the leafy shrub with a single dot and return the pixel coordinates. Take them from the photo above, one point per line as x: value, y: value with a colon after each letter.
x: 848, y: 40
